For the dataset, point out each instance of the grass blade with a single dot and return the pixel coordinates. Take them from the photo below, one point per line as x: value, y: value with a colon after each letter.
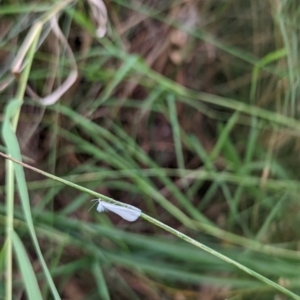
x: 28, y: 274
x: 14, y: 150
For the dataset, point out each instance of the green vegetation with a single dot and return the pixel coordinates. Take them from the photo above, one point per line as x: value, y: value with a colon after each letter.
x: 185, y: 109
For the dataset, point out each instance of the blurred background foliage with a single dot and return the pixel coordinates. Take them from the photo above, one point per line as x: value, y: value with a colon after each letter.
x: 189, y: 104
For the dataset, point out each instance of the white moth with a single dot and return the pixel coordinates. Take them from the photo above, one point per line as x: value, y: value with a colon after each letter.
x: 129, y: 213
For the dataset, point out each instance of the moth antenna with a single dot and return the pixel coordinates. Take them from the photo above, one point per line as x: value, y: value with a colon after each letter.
x: 93, y: 204
x: 95, y: 199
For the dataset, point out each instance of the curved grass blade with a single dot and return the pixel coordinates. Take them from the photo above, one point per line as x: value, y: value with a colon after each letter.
x: 13, y: 148
x: 28, y: 274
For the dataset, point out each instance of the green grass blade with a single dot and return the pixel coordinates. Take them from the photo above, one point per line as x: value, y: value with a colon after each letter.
x: 14, y: 150
x: 3, y: 254
x: 270, y: 57
x: 101, y: 284
x: 224, y: 135
x: 176, y: 131
x: 28, y: 274
x: 123, y: 71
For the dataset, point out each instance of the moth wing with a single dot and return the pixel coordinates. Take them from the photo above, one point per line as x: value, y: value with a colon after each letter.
x: 128, y: 214
x: 133, y: 207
